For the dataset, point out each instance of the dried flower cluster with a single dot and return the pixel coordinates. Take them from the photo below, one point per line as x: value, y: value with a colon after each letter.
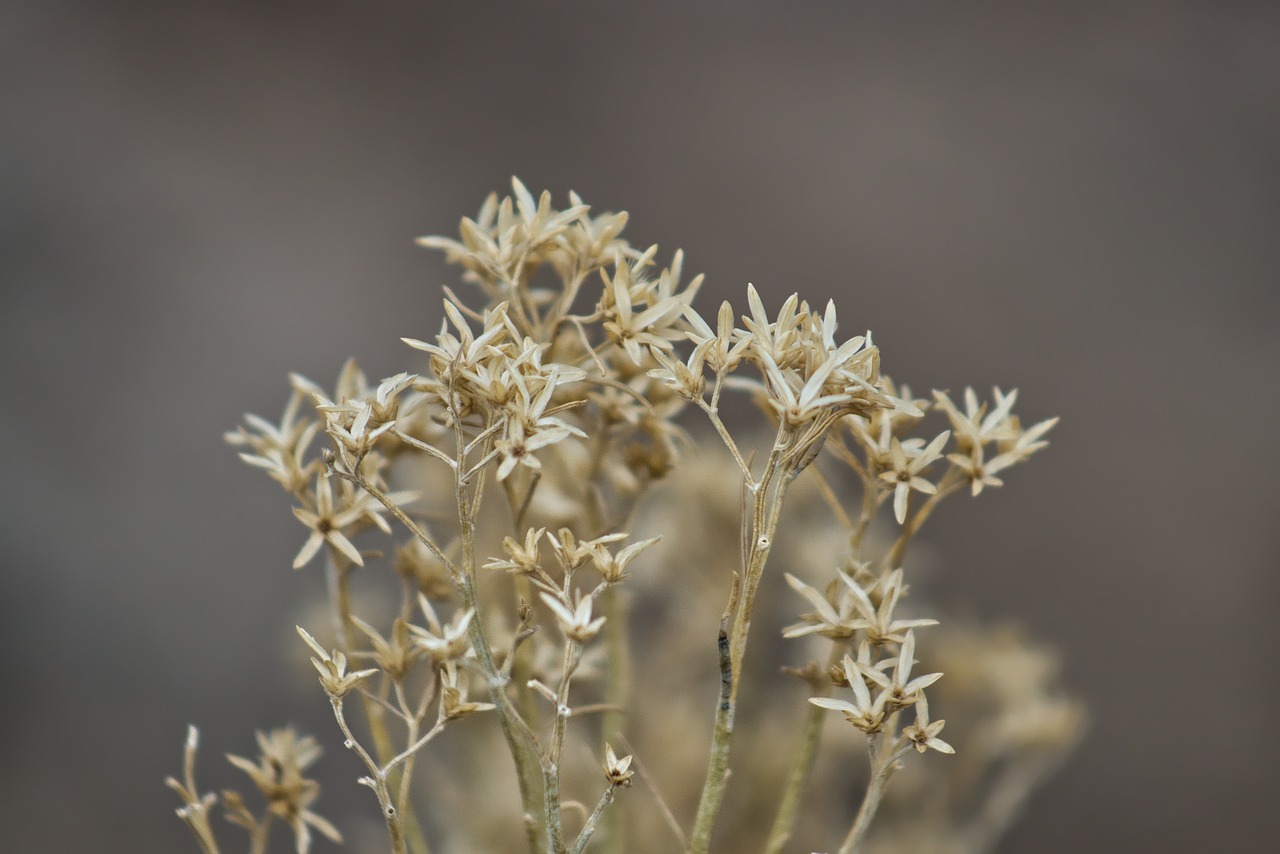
x: 562, y: 400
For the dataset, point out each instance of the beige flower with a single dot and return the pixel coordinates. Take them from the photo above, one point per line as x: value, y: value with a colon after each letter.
x: 923, y: 734
x: 332, y: 667
x: 865, y: 713
x: 326, y: 523
x: 278, y: 774
x: 905, y: 465
x: 574, y: 617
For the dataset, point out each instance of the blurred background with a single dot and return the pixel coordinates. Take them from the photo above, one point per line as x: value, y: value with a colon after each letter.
x: 1079, y: 199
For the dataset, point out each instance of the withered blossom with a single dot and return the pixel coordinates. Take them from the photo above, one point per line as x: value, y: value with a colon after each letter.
x: 553, y: 415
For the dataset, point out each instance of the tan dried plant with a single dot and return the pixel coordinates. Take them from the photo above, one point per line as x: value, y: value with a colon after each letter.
x: 572, y: 569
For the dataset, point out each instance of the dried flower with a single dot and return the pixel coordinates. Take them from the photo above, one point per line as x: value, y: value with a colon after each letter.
x: 283, y: 756
x: 443, y: 642
x: 453, y: 696
x: 574, y: 616
x: 923, y: 734
x: 905, y: 465
x: 326, y: 524
x: 864, y: 713
x: 901, y: 690
x: 546, y: 408
x: 395, y: 655
x: 617, y: 771
x: 332, y: 667
x: 522, y: 558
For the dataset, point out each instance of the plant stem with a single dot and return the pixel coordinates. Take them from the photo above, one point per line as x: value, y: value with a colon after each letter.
x: 732, y: 642
x: 520, y: 739
x: 872, y: 495
x: 589, y: 828
x: 339, y: 574
x: 379, y: 779
x: 617, y: 681
x: 714, y: 414
x: 260, y: 835
x: 789, y: 806
x: 551, y: 767
x: 883, y: 763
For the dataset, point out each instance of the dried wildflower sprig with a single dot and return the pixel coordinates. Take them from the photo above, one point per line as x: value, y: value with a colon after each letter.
x: 893, y: 464
x: 879, y: 718
x: 563, y: 391
x: 618, y: 772
x: 279, y: 778
x: 278, y: 775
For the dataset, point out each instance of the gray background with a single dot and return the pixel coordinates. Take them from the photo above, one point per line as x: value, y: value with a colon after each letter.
x: 1079, y: 199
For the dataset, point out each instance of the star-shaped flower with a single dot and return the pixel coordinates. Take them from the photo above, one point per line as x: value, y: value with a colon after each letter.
x: 864, y: 713
x: 278, y: 774
x: 901, y: 691
x: 905, y: 465
x: 575, y: 617
x: 326, y: 523
x: 923, y: 734
x: 332, y: 667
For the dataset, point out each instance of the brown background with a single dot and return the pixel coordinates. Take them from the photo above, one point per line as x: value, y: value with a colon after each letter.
x: 1078, y: 199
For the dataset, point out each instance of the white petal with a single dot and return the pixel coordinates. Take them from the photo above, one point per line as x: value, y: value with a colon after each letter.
x: 309, y: 549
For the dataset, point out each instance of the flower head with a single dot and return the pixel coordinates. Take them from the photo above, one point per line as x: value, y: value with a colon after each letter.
x: 278, y: 774
x: 332, y: 667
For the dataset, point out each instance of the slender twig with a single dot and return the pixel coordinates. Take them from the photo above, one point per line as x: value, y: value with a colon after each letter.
x: 338, y: 573
x: 196, y: 810
x: 432, y: 450
x: 714, y: 415
x: 884, y: 761
x: 551, y: 767
x: 617, y: 683
x: 413, y: 719
x: 407, y: 754
x: 873, y: 495
x: 768, y: 496
x: 520, y: 739
x: 401, y: 517
x: 260, y: 835
x: 789, y: 804
x: 590, y: 827
x: 377, y: 780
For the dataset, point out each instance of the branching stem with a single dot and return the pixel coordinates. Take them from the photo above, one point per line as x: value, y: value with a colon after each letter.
x: 768, y: 495
x: 884, y: 761
x: 590, y: 827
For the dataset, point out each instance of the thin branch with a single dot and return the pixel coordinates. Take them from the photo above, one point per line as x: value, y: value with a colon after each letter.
x: 884, y: 761
x: 714, y: 415
x: 585, y: 836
